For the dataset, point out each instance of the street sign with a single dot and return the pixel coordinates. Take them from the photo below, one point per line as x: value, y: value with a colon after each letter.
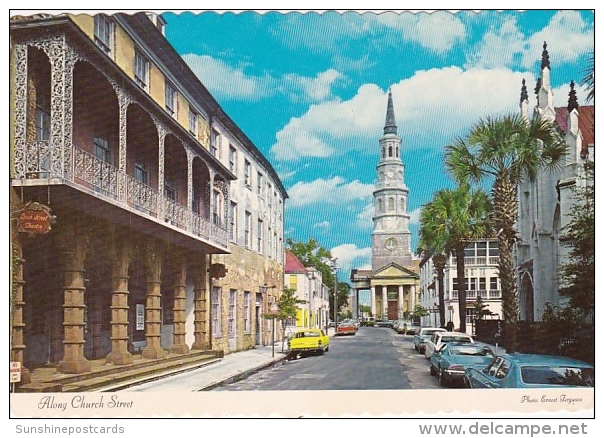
x: 15, y: 372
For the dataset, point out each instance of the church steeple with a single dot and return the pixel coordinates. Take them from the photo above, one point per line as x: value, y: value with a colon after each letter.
x: 391, y: 238
x: 390, y: 125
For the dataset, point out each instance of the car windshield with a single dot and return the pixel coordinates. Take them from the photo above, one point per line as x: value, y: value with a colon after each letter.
x: 471, y: 351
x: 558, y: 375
x: 429, y: 332
x: 455, y: 339
x: 307, y: 335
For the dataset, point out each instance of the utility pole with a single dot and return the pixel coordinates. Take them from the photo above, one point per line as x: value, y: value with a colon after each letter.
x: 335, y: 294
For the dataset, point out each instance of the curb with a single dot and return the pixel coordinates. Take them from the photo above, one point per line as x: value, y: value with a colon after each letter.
x: 240, y: 376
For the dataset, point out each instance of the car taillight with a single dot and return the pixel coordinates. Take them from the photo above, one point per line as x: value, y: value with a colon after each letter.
x: 320, y: 343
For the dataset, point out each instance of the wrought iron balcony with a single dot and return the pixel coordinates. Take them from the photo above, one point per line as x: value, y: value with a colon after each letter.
x: 118, y: 188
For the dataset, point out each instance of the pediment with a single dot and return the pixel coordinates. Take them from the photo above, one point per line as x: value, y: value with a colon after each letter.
x: 393, y: 270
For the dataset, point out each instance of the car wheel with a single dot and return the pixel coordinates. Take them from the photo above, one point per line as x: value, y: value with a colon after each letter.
x: 442, y: 380
x: 321, y: 352
x: 466, y: 383
x: 432, y: 370
x: 326, y: 349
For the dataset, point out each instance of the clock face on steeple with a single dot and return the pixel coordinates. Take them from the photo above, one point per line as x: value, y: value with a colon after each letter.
x: 390, y: 244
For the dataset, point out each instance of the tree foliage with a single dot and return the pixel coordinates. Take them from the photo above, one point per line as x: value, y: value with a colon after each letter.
x: 449, y: 222
x: 589, y: 78
x: 509, y: 149
x: 578, y: 273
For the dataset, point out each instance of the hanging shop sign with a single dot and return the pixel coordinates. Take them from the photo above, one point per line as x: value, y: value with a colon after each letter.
x: 35, y: 218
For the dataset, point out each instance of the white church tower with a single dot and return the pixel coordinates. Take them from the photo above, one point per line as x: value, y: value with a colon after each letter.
x: 391, y: 238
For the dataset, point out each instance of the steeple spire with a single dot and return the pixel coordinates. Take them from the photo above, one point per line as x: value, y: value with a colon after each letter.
x: 572, y: 98
x: 523, y: 93
x: 544, y: 57
x: 390, y: 126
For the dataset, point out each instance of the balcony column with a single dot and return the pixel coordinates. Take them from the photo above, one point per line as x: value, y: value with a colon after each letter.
x: 62, y: 59
x: 190, y: 157
x: 153, y: 349
x: 121, y: 252
x: 200, y: 273
x: 21, y: 157
x: 161, y: 172
x: 123, y: 101
x: 355, y: 295
x: 75, y: 246
x: 179, y: 345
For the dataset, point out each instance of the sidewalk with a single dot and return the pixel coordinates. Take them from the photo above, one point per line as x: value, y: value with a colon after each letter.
x: 232, y: 368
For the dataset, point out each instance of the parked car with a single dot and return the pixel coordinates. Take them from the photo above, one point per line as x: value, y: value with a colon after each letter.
x: 356, y: 323
x: 411, y: 328
x: 307, y: 340
x: 384, y: 323
x: 420, y: 338
x: 530, y: 371
x: 396, y: 324
x: 368, y: 321
x: 440, y: 338
x: 332, y: 323
x: 346, y: 328
x: 450, y: 362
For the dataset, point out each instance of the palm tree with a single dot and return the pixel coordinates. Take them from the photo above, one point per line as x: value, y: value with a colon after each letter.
x: 454, y: 218
x: 509, y: 149
x: 589, y: 78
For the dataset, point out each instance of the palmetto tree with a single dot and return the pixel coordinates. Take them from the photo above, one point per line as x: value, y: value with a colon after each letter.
x: 454, y: 218
x: 509, y: 149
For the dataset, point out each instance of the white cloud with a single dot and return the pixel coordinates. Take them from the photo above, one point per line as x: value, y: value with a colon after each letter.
x: 420, y: 28
x: 313, y: 89
x: 499, y: 46
x: 327, y: 191
x: 431, y: 108
x: 231, y: 82
x: 567, y: 36
x: 415, y: 216
x: 224, y: 80
x: 350, y: 256
x: 324, y: 225
x: 365, y: 218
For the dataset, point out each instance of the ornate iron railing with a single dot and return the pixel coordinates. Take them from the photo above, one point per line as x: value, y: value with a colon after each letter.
x: 119, y: 188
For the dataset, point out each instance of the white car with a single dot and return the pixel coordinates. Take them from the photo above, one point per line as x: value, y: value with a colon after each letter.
x: 439, y: 338
x: 424, y: 334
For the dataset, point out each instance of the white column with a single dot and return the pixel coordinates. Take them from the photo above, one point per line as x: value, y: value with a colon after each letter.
x: 401, y: 301
x: 384, y: 302
x: 412, y: 298
x: 372, y: 299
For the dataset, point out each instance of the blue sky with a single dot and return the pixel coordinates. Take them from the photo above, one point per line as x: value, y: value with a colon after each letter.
x: 310, y: 90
